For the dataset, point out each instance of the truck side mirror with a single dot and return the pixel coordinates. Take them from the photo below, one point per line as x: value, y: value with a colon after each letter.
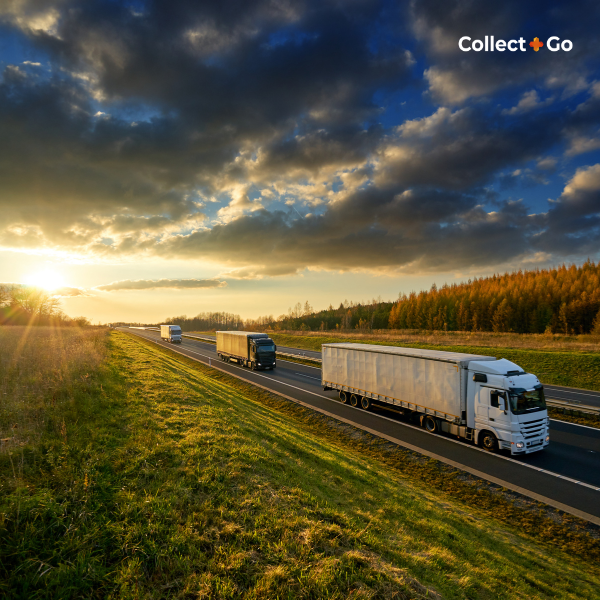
x: 501, y: 404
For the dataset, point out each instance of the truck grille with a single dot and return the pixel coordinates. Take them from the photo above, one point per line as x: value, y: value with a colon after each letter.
x: 533, y: 428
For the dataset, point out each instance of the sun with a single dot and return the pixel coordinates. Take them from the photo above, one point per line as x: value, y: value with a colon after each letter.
x: 48, y: 280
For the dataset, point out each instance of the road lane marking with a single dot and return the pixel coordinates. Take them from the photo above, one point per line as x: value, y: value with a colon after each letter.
x: 380, y: 434
x: 303, y: 375
x: 570, y: 392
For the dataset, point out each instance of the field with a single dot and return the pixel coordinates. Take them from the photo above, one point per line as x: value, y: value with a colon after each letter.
x: 146, y: 475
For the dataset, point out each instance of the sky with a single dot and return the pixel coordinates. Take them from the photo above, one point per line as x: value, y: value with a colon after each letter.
x: 160, y: 158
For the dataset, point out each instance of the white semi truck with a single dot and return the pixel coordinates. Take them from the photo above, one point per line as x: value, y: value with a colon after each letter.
x: 491, y: 402
x: 253, y: 350
x: 171, y: 333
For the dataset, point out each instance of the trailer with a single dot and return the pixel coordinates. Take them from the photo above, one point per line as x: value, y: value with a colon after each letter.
x: 491, y: 402
x: 253, y: 350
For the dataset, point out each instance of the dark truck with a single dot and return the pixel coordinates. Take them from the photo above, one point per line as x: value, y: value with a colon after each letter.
x: 253, y: 350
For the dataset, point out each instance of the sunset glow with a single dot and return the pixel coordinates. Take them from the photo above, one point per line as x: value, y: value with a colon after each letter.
x: 48, y: 280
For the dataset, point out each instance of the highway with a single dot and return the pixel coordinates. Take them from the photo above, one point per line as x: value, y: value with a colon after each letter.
x: 555, y: 392
x: 564, y: 475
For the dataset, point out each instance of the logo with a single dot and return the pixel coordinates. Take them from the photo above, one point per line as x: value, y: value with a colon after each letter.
x: 490, y: 44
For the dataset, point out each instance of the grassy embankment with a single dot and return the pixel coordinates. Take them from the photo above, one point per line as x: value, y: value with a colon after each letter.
x: 150, y: 476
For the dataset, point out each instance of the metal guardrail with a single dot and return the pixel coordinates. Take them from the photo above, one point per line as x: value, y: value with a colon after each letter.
x: 199, y: 337
x: 572, y: 407
x: 300, y: 357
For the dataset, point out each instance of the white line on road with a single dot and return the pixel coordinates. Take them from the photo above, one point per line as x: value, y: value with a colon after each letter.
x: 555, y: 391
x: 309, y: 376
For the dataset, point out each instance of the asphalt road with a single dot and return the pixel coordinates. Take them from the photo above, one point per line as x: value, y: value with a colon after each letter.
x: 573, y: 395
x: 556, y: 392
x: 566, y: 472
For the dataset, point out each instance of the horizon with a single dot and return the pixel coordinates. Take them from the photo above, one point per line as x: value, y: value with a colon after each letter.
x: 162, y: 159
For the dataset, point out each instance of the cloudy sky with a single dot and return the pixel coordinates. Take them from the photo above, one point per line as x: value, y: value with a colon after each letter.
x: 171, y: 156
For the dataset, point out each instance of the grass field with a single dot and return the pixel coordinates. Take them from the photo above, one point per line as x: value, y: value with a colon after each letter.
x: 162, y: 478
x: 576, y: 368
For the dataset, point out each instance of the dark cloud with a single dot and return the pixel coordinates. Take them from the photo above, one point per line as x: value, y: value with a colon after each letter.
x: 249, y: 69
x: 153, y: 111
x: 149, y: 284
x: 461, y: 235
x: 458, y: 150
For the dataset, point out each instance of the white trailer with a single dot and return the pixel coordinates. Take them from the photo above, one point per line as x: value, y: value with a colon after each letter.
x: 492, y: 402
x: 253, y: 350
x: 171, y: 333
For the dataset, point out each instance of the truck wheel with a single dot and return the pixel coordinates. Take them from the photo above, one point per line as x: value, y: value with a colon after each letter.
x: 488, y: 441
x: 354, y: 400
x: 365, y: 403
x: 430, y: 424
x: 343, y: 397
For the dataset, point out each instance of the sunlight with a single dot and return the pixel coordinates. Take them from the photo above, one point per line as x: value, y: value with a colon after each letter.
x: 48, y: 280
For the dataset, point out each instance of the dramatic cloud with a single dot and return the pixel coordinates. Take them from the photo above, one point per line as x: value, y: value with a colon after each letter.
x: 274, y: 136
x: 149, y: 284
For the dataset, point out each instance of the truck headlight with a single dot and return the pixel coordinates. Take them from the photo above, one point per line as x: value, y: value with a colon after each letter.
x: 520, y: 445
x: 547, y: 438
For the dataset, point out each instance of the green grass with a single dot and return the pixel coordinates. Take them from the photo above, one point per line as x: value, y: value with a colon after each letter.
x: 167, y: 479
x: 574, y: 369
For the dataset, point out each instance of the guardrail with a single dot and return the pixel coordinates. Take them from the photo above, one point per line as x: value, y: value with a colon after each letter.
x: 199, y: 337
x: 300, y: 357
x: 573, y: 408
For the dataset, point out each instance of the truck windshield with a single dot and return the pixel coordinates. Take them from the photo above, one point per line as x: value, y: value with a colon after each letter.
x: 522, y: 401
x: 266, y: 347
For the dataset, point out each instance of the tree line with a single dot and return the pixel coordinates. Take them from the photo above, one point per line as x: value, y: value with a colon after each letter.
x: 208, y: 321
x: 564, y: 299
x: 348, y: 315
x: 560, y: 300
x: 27, y: 305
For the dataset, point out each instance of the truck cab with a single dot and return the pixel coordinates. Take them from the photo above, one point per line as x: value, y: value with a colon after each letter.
x: 262, y: 351
x: 506, y: 407
x: 171, y: 333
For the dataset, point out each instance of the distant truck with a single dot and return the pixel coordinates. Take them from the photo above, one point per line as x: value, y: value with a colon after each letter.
x: 491, y: 402
x: 171, y: 333
x: 253, y: 350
